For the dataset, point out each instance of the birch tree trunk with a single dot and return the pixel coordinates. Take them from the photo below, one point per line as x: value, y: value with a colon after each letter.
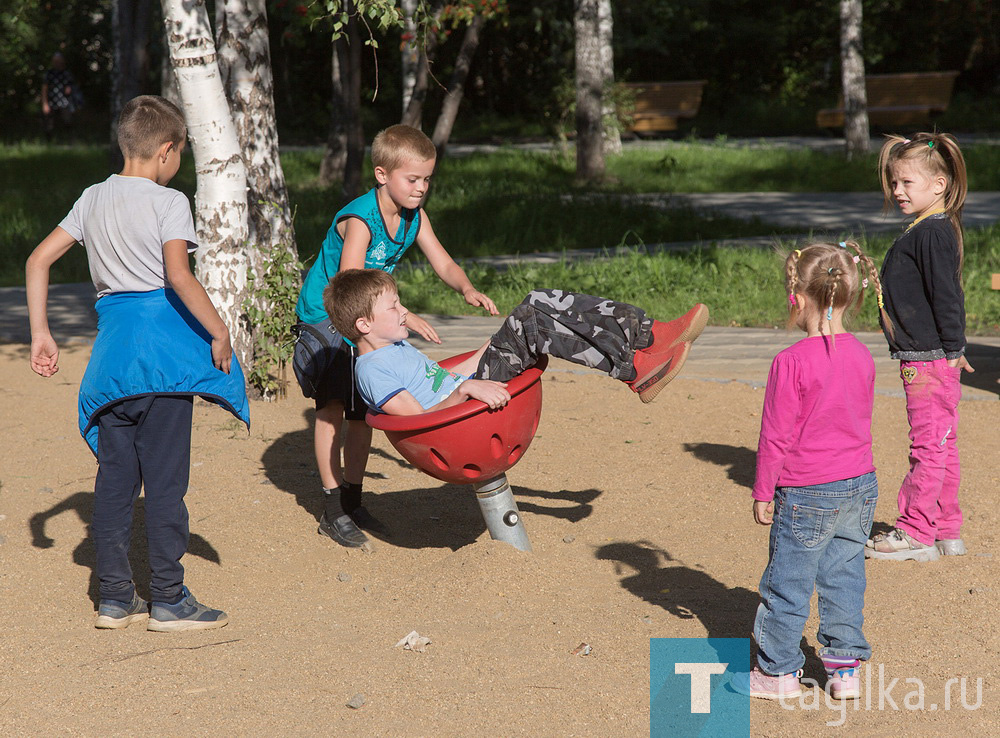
x: 605, y: 28
x: 130, y: 30
x: 589, y: 83
x: 245, y: 64
x: 857, y: 138
x: 221, y: 198
x: 410, y: 52
x: 456, y: 87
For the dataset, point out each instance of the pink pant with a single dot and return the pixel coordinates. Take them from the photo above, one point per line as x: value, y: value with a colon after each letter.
x: 928, y: 497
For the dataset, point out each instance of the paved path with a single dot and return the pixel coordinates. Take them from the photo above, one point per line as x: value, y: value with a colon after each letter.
x: 720, y: 354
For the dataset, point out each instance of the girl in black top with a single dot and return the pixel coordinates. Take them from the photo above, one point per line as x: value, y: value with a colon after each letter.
x: 923, y: 318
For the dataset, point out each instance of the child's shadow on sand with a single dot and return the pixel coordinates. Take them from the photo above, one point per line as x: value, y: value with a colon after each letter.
x: 688, y: 593
x: 82, y: 503
x: 437, y: 516
x: 740, y: 462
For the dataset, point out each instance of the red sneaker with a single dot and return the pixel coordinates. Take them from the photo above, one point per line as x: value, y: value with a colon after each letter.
x: 685, y: 328
x: 654, y: 370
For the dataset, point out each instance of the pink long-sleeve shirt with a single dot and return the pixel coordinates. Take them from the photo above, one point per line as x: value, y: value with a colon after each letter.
x: 816, y: 426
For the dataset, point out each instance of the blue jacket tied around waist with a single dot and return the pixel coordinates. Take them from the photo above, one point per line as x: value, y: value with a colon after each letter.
x: 148, y: 343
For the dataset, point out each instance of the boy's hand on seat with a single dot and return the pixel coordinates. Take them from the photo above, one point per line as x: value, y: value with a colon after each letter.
x: 494, y: 394
x: 44, y: 355
x: 478, y: 299
x: 421, y: 327
x: 763, y: 512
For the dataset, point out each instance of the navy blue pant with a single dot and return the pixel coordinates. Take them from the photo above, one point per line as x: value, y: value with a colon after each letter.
x: 144, y: 442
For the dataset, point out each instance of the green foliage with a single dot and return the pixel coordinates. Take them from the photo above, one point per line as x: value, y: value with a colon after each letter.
x: 270, y: 310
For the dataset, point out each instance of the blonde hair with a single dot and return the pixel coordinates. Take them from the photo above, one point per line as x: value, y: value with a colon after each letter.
x: 398, y: 144
x: 352, y: 294
x: 936, y: 154
x: 828, y: 274
x: 146, y: 123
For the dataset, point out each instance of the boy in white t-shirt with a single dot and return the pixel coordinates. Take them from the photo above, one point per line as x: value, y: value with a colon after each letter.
x: 160, y: 341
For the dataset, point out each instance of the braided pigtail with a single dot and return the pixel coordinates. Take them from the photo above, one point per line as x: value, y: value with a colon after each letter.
x: 791, y: 282
x: 832, y: 284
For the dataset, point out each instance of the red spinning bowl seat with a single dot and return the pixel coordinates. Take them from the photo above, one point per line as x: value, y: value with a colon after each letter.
x: 469, y: 443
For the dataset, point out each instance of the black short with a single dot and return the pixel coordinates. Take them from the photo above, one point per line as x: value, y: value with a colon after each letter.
x: 324, y: 366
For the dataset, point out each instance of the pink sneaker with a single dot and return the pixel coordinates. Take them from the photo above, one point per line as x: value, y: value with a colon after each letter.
x: 845, y: 684
x: 758, y: 684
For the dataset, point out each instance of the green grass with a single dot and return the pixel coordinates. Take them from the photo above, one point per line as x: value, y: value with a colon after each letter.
x: 742, y: 287
x: 517, y: 202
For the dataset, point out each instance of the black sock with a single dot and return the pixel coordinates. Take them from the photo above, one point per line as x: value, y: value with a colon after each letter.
x: 331, y: 504
x: 350, y: 496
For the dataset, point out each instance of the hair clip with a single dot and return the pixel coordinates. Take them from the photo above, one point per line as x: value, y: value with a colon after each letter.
x: 930, y: 144
x: 798, y: 253
x: 906, y: 140
x: 830, y: 270
x: 857, y: 259
x: 881, y: 304
x: 864, y: 283
x: 791, y: 297
x: 829, y: 313
x: 843, y: 244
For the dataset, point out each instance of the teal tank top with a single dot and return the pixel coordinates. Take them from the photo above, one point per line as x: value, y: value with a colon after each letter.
x: 384, y: 251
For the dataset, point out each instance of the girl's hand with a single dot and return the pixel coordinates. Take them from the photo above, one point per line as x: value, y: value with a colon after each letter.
x: 494, y: 394
x: 421, y: 327
x: 477, y: 299
x: 961, y: 363
x: 763, y: 512
x: 44, y: 356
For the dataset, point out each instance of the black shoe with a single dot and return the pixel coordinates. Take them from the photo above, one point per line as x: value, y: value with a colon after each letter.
x: 366, y: 520
x: 343, y: 530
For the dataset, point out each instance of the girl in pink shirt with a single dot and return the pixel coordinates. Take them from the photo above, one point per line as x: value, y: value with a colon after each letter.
x: 815, y: 484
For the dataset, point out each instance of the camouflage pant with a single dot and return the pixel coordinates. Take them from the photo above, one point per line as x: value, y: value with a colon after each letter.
x: 591, y: 331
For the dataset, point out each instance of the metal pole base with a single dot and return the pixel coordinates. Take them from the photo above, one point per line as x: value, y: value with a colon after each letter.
x: 503, y: 520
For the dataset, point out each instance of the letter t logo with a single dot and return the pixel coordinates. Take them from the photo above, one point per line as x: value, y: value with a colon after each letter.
x: 701, y: 683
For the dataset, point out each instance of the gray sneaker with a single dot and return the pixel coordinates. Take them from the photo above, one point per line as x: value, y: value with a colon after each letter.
x: 951, y: 547
x: 188, y: 614
x: 898, y: 545
x: 113, y: 615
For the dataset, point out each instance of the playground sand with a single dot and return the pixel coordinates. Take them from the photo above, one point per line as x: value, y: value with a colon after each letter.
x: 640, y: 520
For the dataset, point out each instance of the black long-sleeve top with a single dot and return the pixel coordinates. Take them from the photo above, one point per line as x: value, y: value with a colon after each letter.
x: 923, y: 293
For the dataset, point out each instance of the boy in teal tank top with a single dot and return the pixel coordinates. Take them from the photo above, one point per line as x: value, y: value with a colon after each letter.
x: 372, y: 232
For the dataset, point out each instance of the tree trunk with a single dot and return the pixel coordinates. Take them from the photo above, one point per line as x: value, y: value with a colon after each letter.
x: 589, y: 83
x: 221, y: 198
x: 410, y: 51
x: 345, y: 146
x: 857, y: 138
x: 130, y: 30
x: 414, y: 110
x: 605, y: 26
x: 245, y: 64
x: 456, y: 87
x: 168, y: 80
x: 331, y: 168
x: 350, y: 68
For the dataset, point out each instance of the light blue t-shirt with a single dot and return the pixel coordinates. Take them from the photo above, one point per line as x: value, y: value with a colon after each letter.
x: 384, y: 373
x: 384, y: 251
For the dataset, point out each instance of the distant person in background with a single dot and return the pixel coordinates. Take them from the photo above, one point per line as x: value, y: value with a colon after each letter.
x: 61, y: 97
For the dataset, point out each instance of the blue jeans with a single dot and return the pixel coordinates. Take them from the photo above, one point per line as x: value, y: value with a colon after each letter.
x: 817, y: 540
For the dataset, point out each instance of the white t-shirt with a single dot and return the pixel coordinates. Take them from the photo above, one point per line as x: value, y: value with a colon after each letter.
x: 123, y: 222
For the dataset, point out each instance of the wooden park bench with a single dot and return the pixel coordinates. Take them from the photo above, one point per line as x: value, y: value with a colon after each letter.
x: 898, y: 99
x: 659, y: 105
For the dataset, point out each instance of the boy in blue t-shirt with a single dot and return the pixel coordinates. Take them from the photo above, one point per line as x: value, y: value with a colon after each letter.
x: 160, y: 341
x: 372, y: 231
x: 397, y: 379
